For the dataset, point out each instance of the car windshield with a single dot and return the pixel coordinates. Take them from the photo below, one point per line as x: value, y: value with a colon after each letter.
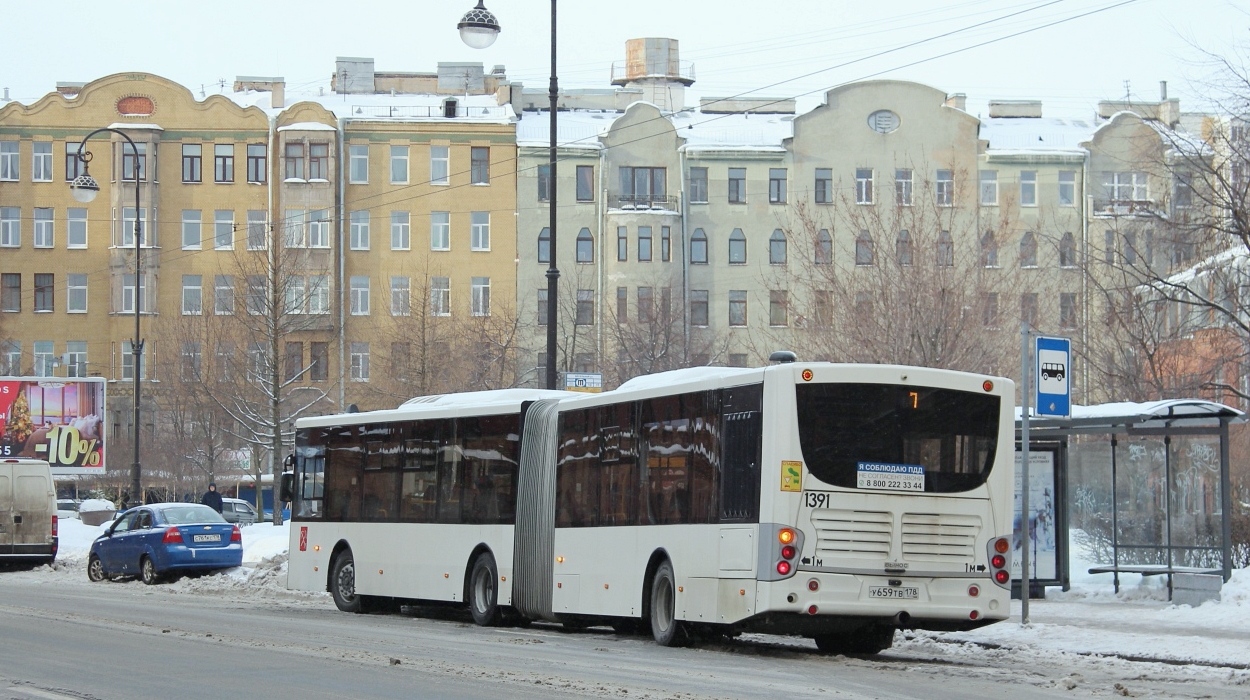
x: 192, y: 514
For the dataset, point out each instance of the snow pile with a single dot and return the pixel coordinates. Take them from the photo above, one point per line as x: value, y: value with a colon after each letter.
x: 95, y: 504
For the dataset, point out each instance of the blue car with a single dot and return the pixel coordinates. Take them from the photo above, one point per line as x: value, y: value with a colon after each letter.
x: 160, y: 539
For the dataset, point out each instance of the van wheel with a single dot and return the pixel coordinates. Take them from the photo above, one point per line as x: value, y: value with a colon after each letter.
x: 147, y: 571
x: 667, y: 630
x: 484, y: 591
x: 95, y: 569
x: 343, y: 583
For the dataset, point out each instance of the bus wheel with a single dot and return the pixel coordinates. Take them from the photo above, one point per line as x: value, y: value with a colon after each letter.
x: 667, y: 630
x: 343, y: 583
x: 484, y: 591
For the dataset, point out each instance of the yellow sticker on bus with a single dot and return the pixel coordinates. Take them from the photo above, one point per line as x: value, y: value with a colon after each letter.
x: 791, y: 475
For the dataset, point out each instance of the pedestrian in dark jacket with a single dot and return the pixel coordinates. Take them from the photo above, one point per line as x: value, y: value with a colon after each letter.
x: 211, y: 498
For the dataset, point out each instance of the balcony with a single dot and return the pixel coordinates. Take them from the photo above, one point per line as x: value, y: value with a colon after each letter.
x: 642, y: 202
x: 1104, y: 208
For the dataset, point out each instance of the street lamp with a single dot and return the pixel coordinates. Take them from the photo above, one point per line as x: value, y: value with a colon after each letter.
x: 85, y: 188
x: 478, y: 29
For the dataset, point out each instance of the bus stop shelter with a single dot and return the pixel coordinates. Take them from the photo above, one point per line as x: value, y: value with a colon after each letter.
x: 1166, y: 460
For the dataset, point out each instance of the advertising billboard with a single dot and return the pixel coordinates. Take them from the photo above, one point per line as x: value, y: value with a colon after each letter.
x: 57, y: 419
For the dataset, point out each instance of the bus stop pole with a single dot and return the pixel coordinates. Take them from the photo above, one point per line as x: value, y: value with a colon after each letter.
x: 1025, y: 390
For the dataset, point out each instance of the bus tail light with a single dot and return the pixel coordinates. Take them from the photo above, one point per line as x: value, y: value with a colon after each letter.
x: 172, y: 536
x: 783, y: 568
x: 1000, y: 561
x: 974, y: 590
x: 813, y: 585
x: 780, y: 547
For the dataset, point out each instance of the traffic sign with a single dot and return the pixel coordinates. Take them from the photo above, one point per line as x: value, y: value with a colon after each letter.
x: 1053, y: 376
x: 589, y: 382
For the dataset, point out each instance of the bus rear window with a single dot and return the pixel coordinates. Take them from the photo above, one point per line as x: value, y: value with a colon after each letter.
x: 952, y: 434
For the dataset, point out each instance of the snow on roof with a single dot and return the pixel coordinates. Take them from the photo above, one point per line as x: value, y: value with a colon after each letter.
x: 707, y: 132
x: 306, y: 126
x: 1165, y: 412
x: 477, y: 402
x: 1036, y: 134
x: 1236, y: 254
x: 378, y: 107
x: 127, y: 125
x: 574, y: 129
x: 683, y: 376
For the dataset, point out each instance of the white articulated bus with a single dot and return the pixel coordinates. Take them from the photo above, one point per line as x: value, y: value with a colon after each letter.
x: 833, y: 501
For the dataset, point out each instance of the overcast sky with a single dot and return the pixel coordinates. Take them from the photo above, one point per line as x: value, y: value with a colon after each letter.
x: 777, y: 48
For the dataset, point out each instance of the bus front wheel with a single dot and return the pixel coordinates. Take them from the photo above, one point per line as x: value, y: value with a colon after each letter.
x: 484, y: 591
x: 667, y: 630
x: 343, y: 583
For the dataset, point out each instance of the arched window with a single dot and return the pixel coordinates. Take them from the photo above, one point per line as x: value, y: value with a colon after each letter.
x: 585, y: 246
x: 737, y: 247
x: 989, y: 250
x: 544, y: 245
x: 864, y: 249
x: 902, y: 247
x: 945, y: 250
x: 824, y: 248
x: 698, y: 247
x: 1067, y: 250
x: 1028, y: 250
x: 777, y: 248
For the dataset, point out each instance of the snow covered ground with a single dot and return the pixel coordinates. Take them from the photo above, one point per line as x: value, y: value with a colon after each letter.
x: 1138, y: 624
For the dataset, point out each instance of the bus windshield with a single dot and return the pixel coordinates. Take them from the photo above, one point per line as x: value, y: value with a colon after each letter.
x: 952, y: 435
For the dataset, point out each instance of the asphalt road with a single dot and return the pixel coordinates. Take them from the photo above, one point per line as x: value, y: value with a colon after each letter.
x: 71, y: 639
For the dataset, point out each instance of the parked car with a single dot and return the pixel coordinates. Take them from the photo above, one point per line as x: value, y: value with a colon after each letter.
x: 237, y: 510
x: 162, y: 539
x: 66, y: 508
x: 28, y: 520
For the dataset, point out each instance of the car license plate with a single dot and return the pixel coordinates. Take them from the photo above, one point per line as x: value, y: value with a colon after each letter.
x: 209, y: 538
x: 898, y: 592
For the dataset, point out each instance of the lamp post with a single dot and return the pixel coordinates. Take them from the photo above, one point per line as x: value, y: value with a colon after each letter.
x: 479, y: 29
x: 85, y: 188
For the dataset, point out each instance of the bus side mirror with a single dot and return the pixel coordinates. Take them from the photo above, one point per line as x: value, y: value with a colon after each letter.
x: 286, y: 487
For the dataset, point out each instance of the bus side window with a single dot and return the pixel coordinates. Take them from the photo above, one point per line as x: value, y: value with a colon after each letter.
x: 742, y: 429
x: 450, y: 473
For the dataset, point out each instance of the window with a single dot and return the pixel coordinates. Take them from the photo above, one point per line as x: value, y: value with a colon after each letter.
x: 824, y: 248
x: 10, y: 227
x: 698, y: 307
x: 256, y: 162
x: 824, y: 185
x: 359, y: 234
x: 358, y: 164
x: 1183, y: 190
x: 319, y: 361
x: 544, y: 245
x: 223, y: 162
x: 1130, y: 247
x: 544, y: 183
x: 45, y: 284
x: 10, y: 291
x: 76, y: 293
x: 479, y: 230
x: 585, y: 246
x: 643, y: 186
x: 989, y: 250
x: 863, y: 185
x: 192, y: 295
x: 1127, y: 187
x: 698, y: 247
x: 945, y: 250
x: 989, y: 188
x: 292, y: 361
x: 777, y: 185
x: 1067, y: 251
x: 440, y: 296
x: 9, y: 169
x: 76, y: 358
x: 698, y: 185
x: 738, y: 307
x: 318, y: 294
x: 646, y: 305
x: 777, y: 248
x: 44, y: 237
x: 400, y: 230
x: 480, y: 292
x: 223, y: 229
x: 256, y: 227
x: 479, y: 165
x: 191, y: 220
x: 1067, y: 310
x: 864, y: 253
x: 401, y: 297
x: 11, y: 357
x: 440, y: 230
x: 737, y: 359
x: 128, y: 294
x: 945, y: 188
x: 622, y: 304
x: 902, y: 187
x: 73, y: 166
x: 360, y: 296
x: 360, y: 362
x: 989, y: 309
x: 293, y: 229
x: 585, y: 313
x: 76, y: 228
x: 223, y: 295
x: 399, y: 165
x: 1067, y: 188
x: 1028, y: 308
x: 41, y: 166
x: 822, y: 308
x: 128, y: 362
x: 778, y: 302
x: 129, y: 224
x: 440, y: 165
x: 622, y: 243
x: 294, y: 161
x: 542, y: 307
x: 737, y: 185
x: 256, y: 300
x: 192, y: 162
x: 45, y: 358
x: 1028, y: 250
x: 585, y: 183
x: 666, y: 243
x: 737, y: 247
x: 1028, y: 188
x: 644, y: 244
x: 903, y: 248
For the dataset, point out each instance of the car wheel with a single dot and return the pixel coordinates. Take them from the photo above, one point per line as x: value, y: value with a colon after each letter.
x: 667, y: 630
x: 147, y: 571
x: 95, y: 569
x: 484, y: 591
x: 343, y: 583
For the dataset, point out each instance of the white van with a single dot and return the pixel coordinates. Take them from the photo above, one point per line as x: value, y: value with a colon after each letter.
x: 28, y: 522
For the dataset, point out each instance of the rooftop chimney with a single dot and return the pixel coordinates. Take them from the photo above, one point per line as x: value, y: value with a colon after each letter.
x: 1028, y: 109
x: 274, y: 85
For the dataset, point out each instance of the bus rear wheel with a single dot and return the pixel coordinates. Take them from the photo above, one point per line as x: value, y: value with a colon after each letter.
x: 666, y: 629
x: 484, y: 591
